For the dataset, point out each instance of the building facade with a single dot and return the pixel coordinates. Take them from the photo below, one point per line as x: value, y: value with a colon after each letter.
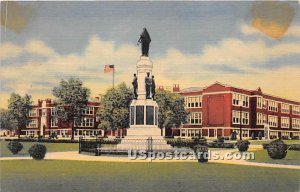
x: 44, y: 121
x: 219, y: 110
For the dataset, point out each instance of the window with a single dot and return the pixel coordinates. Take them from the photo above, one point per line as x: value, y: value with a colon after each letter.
x: 285, y: 122
x: 285, y: 108
x: 33, y: 123
x: 54, y: 122
x: 33, y: 113
x: 259, y: 119
x: 296, y: 123
x: 87, y: 122
x: 89, y: 111
x: 236, y: 117
x: 272, y: 105
x: 259, y: 102
x: 273, y: 121
x: 240, y: 99
x: 193, y: 102
x: 195, y: 118
x: 265, y: 119
x: 296, y: 109
x: 53, y: 111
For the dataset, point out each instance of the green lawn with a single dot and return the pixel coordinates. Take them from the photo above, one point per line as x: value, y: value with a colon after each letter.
x: 292, y: 158
x: 52, y: 175
x: 259, y: 142
x: 51, y: 147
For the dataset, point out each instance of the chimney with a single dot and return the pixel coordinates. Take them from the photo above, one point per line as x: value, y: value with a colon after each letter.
x: 176, y: 88
x: 161, y: 88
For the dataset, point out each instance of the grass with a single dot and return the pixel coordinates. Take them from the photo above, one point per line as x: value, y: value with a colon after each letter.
x: 292, y: 158
x: 51, y: 147
x: 52, y: 175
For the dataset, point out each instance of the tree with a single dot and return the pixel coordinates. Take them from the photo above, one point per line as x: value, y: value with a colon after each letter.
x: 72, y: 100
x: 113, y: 112
x: 7, y: 121
x: 18, y: 108
x: 171, y: 109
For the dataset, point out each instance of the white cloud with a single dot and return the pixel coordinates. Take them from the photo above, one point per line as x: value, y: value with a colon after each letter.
x: 173, y: 68
x: 249, y: 30
x: 38, y: 47
x: 9, y: 50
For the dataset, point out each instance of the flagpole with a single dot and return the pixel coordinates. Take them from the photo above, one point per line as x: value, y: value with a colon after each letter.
x: 114, y: 77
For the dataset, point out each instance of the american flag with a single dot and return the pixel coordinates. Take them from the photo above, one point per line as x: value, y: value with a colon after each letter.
x: 109, y: 68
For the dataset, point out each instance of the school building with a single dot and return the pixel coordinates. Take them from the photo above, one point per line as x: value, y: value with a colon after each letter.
x: 219, y: 110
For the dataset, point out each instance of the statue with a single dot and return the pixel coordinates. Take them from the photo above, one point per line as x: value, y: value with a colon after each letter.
x: 148, y: 83
x: 145, y: 41
x: 135, y: 86
x: 153, y: 88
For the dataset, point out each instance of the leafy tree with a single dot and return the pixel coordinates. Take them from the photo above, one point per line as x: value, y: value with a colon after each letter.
x: 113, y: 112
x: 7, y: 121
x: 19, y: 108
x: 72, y: 100
x: 171, y: 109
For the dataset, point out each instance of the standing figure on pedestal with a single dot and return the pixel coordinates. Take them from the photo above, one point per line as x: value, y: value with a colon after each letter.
x: 148, y: 84
x: 135, y: 86
x: 145, y: 41
x: 153, y: 88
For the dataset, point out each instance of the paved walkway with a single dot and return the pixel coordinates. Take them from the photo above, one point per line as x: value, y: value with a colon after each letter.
x: 74, y: 155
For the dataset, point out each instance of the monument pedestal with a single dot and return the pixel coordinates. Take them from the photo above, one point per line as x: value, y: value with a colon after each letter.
x: 144, y: 131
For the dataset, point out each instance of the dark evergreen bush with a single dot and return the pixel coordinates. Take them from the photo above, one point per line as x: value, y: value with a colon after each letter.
x: 37, y: 151
x: 243, y: 145
x: 260, y: 135
x: 14, y: 147
x: 233, y: 135
x: 201, y: 153
x: 294, y: 147
x: 277, y: 149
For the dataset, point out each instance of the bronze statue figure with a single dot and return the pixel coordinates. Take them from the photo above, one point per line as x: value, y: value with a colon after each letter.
x: 153, y: 86
x: 135, y: 86
x: 148, y: 83
x: 145, y: 41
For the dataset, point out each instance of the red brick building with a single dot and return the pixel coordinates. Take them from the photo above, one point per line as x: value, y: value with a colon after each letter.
x: 44, y: 121
x: 215, y: 111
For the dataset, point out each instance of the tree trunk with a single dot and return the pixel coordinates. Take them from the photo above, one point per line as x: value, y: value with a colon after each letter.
x: 72, y: 132
x: 19, y: 132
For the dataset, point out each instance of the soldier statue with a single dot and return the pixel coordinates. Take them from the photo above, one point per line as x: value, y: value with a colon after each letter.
x: 153, y: 88
x: 135, y: 86
x: 148, y: 84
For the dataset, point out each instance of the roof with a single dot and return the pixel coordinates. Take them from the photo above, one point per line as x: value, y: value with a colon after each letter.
x: 191, y: 89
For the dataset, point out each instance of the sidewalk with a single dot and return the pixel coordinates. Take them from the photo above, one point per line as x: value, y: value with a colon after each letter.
x: 75, y: 156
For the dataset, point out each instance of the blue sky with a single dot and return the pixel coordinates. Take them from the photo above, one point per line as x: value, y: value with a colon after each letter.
x: 193, y: 44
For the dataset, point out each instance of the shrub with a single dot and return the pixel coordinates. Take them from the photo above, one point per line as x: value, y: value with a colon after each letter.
x: 243, y: 145
x: 37, y: 151
x: 253, y: 136
x: 233, y: 136
x: 265, y: 145
x: 220, y: 142
x: 228, y: 145
x: 201, y: 153
x: 277, y: 149
x: 260, y: 135
x: 294, y: 147
x: 14, y: 147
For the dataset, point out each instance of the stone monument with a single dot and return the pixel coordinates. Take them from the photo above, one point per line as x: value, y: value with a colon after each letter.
x: 143, y: 111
